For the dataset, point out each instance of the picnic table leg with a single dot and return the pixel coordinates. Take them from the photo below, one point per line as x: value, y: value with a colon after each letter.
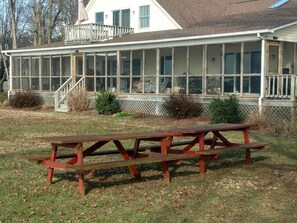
x: 81, y: 180
x: 123, y: 152
x: 50, y: 170
x: 201, y: 157
x: 247, y: 151
x: 135, y: 149
x: 164, y: 151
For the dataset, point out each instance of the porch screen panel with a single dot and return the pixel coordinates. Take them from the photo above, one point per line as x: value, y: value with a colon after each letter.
x: 65, y: 68
x: 45, y: 75
x: 165, y: 70
x: 16, y: 74
x: 180, y: 70
x: 112, y: 72
x: 56, y: 73
x: 150, y: 71
x: 137, y: 77
x: 90, y: 72
x: 25, y: 73
x: 125, y: 72
x: 195, y: 69
x: 214, y: 69
x: 252, y: 67
x: 35, y: 73
x: 232, y: 68
x: 100, y: 72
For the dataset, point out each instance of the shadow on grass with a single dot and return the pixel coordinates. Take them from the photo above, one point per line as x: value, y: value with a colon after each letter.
x: 100, y: 178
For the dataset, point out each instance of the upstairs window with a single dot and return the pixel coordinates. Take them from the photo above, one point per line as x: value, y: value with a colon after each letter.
x: 99, y: 18
x: 121, y: 18
x: 144, y: 16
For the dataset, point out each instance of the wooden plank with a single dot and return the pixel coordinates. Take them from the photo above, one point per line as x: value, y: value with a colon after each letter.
x: 121, y: 163
x: 255, y: 145
x: 64, y: 156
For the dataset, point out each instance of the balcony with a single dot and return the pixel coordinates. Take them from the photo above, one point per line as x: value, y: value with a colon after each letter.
x: 88, y: 33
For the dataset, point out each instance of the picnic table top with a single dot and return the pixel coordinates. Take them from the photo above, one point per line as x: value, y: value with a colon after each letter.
x: 106, y: 137
x: 209, y: 128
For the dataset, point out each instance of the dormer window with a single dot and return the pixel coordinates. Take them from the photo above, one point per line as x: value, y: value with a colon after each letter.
x: 144, y: 16
x: 278, y: 4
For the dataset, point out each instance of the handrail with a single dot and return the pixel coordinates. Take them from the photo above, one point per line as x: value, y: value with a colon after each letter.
x: 62, y: 92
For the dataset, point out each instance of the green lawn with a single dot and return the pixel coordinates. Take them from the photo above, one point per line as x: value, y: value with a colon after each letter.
x: 230, y: 191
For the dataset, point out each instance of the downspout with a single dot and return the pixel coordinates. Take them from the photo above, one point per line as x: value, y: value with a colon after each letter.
x: 262, y: 84
x: 9, y: 74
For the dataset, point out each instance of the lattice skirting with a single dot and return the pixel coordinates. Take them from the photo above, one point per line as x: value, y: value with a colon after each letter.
x: 277, y: 113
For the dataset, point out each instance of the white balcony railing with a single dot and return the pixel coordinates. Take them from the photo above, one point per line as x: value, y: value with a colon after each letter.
x: 85, y: 33
x: 281, y: 86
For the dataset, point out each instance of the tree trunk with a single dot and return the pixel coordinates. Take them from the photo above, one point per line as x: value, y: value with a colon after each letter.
x: 13, y: 23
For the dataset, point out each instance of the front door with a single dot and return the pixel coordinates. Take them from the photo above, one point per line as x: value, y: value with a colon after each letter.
x: 274, y: 66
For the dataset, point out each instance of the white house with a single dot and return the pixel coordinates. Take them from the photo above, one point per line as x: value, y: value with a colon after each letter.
x: 146, y: 50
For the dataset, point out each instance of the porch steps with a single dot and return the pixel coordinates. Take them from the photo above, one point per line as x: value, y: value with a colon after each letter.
x: 63, y: 107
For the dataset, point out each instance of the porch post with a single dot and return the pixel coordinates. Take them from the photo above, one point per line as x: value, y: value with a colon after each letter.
x: 157, y: 70
x: 118, y: 71
x: 263, y: 65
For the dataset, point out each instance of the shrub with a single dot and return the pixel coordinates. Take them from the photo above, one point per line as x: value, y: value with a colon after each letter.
x: 78, y: 100
x: 224, y: 111
x: 181, y: 106
x: 25, y: 99
x: 106, y: 103
x: 259, y: 122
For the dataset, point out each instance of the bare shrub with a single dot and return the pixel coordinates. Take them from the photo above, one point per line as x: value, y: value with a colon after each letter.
x: 259, y: 122
x: 25, y: 99
x: 78, y: 100
x: 181, y: 106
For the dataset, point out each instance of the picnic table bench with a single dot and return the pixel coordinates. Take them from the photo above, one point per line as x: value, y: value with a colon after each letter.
x: 162, y: 151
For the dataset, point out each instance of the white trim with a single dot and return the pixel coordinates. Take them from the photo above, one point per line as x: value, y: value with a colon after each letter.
x: 78, y: 47
x: 283, y: 26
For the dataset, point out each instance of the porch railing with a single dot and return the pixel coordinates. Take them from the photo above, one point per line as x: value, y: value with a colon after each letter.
x: 281, y: 86
x: 93, y: 32
x: 64, y: 90
x: 61, y: 93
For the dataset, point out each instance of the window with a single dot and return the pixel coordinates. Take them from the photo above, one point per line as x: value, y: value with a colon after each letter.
x: 99, y: 18
x: 121, y: 18
x: 144, y: 16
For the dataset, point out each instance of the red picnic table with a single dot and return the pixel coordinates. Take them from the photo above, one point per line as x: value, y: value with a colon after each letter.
x: 76, y: 160
x: 217, y: 143
x: 163, y: 152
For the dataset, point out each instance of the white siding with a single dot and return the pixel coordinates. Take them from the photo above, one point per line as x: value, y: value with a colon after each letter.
x: 285, y: 34
x: 159, y: 19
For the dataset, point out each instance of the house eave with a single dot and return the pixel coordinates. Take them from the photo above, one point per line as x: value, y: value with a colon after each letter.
x: 155, y: 42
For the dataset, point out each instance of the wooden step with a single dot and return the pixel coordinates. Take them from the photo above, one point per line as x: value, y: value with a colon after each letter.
x: 254, y: 145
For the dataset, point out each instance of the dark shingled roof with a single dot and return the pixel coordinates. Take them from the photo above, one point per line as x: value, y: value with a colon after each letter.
x: 207, y: 17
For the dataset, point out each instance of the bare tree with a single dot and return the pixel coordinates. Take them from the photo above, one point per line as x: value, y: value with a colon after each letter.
x: 13, y: 23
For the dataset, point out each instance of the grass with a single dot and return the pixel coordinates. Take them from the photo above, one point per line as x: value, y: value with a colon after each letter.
x: 230, y: 191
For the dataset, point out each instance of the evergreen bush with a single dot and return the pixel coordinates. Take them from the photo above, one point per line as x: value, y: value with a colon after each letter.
x: 106, y: 103
x: 224, y: 110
